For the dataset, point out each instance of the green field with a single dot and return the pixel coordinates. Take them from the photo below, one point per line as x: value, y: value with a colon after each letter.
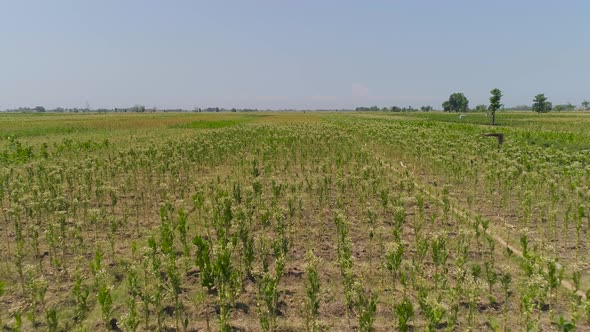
x: 291, y: 221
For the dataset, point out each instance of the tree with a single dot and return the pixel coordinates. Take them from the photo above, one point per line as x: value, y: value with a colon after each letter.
x: 521, y: 108
x: 585, y: 104
x: 426, y: 108
x: 39, y: 109
x: 541, y: 105
x: 446, y: 105
x: 564, y: 107
x: 481, y: 108
x: 495, y: 103
x: 457, y: 103
x: 137, y: 108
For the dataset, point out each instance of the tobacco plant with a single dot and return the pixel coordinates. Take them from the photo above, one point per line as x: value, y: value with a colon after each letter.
x: 312, y: 290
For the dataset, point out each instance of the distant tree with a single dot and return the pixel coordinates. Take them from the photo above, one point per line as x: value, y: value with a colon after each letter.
x: 137, y: 108
x: 457, y: 103
x: 585, y: 105
x: 426, y: 108
x: 39, y: 109
x: 564, y: 107
x: 396, y: 109
x: 495, y: 103
x: 521, y: 108
x: 481, y: 108
x: 541, y: 105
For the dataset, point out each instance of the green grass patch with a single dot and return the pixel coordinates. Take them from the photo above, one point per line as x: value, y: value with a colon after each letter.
x: 41, y: 131
x: 204, y: 124
x: 214, y: 124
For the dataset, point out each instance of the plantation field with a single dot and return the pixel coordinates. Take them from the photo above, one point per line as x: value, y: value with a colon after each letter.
x: 294, y: 221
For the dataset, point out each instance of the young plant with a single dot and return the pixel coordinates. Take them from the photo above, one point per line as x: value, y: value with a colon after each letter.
x: 269, y: 293
x: 268, y: 297
x: 1, y: 294
x: 36, y: 290
x: 182, y: 231
x: 344, y: 251
x: 131, y: 320
x: 564, y: 325
x: 106, y: 304
x: 439, y: 257
x: 491, y: 278
x: 96, y: 266
x: 366, y: 307
x: 248, y: 250
x: 81, y: 293
x: 203, y: 261
x: 175, y: 287
x: 404, y: 311
x: 505, y: 280
x: 18, y: 321
x: 52, y: 319
x: 225, y: 281
x: 432, y: 308
x: 393, y: 261
x: 312, y: 284
x: 553, y: 277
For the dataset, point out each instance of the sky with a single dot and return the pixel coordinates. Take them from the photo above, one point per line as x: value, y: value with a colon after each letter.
x: 299, y: 54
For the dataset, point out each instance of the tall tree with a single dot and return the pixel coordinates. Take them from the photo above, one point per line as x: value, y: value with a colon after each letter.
x: 541, y: 105
x: 495, y: 103
x: 585, y: 104
x: 457, y: 103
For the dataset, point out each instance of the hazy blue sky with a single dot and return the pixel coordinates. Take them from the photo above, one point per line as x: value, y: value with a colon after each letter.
x: 290, y: 54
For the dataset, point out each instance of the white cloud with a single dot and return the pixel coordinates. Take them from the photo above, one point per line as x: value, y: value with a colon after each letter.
x: 359, y: 90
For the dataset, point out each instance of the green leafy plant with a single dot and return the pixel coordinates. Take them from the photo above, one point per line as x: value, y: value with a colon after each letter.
x: 312, y: 291
x: 106, y: 304
x: 52, y: 319
x: 404, y: 311
x: 366, y: 307
x: 203, y: 261
x: 131, y: 321
x: 80, y: 293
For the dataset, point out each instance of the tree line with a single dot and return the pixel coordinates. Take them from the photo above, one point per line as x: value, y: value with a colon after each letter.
x: 457, y: 102
x: 394, y: 109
